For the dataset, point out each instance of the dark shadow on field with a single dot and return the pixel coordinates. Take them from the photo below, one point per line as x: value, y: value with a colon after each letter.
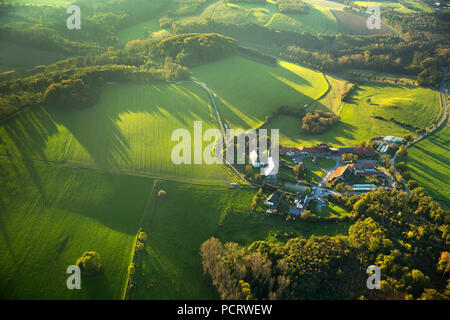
x: 3, y: 231
x: 442, y: 160
x: 275, y: 76
x: 97, y: 130
x: 25, y: 138
x: 298, y: 79
x: 105, y: 150
x: 333, y: 136
x: 97, y: 286
x: 112, y: 209
x: 356, y: 23
x: 62, y: 246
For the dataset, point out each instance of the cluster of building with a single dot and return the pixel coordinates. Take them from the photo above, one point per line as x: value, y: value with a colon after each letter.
x: 389, y: 144
x: 325, y: 150
x: 300, y: 204
x: 273, y: 200
x: 438, y: 6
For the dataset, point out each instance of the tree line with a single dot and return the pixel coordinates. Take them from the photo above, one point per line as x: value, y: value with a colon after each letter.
x: 81, y: 77
x: 416, y: 52
x: 405, y: 235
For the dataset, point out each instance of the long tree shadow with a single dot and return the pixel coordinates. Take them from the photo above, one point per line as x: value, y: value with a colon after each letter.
x: 4, y: 230
x: 97, y: 128
x: 44, y: 133
x: 97, y: 286
x: 24, y: 138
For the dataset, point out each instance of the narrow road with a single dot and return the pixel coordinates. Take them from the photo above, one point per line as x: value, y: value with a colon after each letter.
x: 443, y: 119
x: 222, y: 129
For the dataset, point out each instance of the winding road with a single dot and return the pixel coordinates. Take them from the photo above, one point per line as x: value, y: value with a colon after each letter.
x: 443, y: 119
x: 222, y: 129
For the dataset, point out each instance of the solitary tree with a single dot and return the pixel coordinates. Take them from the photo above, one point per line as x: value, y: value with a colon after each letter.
x: 90, y: 262
x: 300, y: 171
x: 162, y: 193
x: 402, y: 151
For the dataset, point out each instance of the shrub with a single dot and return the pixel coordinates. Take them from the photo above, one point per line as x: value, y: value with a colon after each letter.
x: 318, y: 122
x: 306, y: 214
x: 162, y: 193
x: 142, y: 236
x: 89, y: 262
x: 131, y: 269
x: 412, y: 184
x: 165, y: 22
x: 139, y: 246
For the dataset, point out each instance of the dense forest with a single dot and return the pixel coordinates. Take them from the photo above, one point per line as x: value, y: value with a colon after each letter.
x: 318, y: 121
x: 419, y: 51
x: 141, y: 60
x: 406, y: 236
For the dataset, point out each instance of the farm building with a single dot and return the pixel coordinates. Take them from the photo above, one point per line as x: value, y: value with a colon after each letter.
x: 362, y: 152
x: 320, y: 150
x: 363, y: 187
x: 290, y: 152
x: 365, y: 169
x: 341, y: 173
x: 272, y: 200
x: 384, y: 148
x: 358, y: 169
x: 392, y: 139
x: 294, y: 211
x: 300, y: 201
x: 253, y: 156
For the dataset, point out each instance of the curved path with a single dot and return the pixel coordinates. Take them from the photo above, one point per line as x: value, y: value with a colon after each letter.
x: 444, y: 119
x: 222, y: 129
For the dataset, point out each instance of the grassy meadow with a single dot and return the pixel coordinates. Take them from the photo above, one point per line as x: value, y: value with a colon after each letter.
x: 401, y: 6
x: 356, y: 23
x: 428, y: 163
x: 139, y: 31
x: 51, y: 214
x: 17, y: 57
x: 331, y: 210
x: 129, y: 130
x: 319, y: 19
x: 235, y: 13
x: 53, y: 3
x: 170, y: 267
x: 247, y: 91
x: 414, y: 107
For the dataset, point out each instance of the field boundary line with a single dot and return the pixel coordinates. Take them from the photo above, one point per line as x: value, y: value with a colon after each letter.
x: 134, y: 173
x: 222, y: 129
x: 149, y: 205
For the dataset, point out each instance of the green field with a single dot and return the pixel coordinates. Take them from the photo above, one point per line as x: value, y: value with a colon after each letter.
x: 129, y: 130
x: 247, y: 91
x: 142, y: 30
x: 428, y: 163
x: 51, y: 214
x: 50, y: 158
x: 416, y: 107
x: 356, y: 23
x: 317, y: 20
x: 55, y: 3
x: 315, y: 171
x: 331, y: 210
x: 399, y: 7
x: 13, y: 57
x: 320, y: 163
x: 170, y: 267
x: 235, y: 13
